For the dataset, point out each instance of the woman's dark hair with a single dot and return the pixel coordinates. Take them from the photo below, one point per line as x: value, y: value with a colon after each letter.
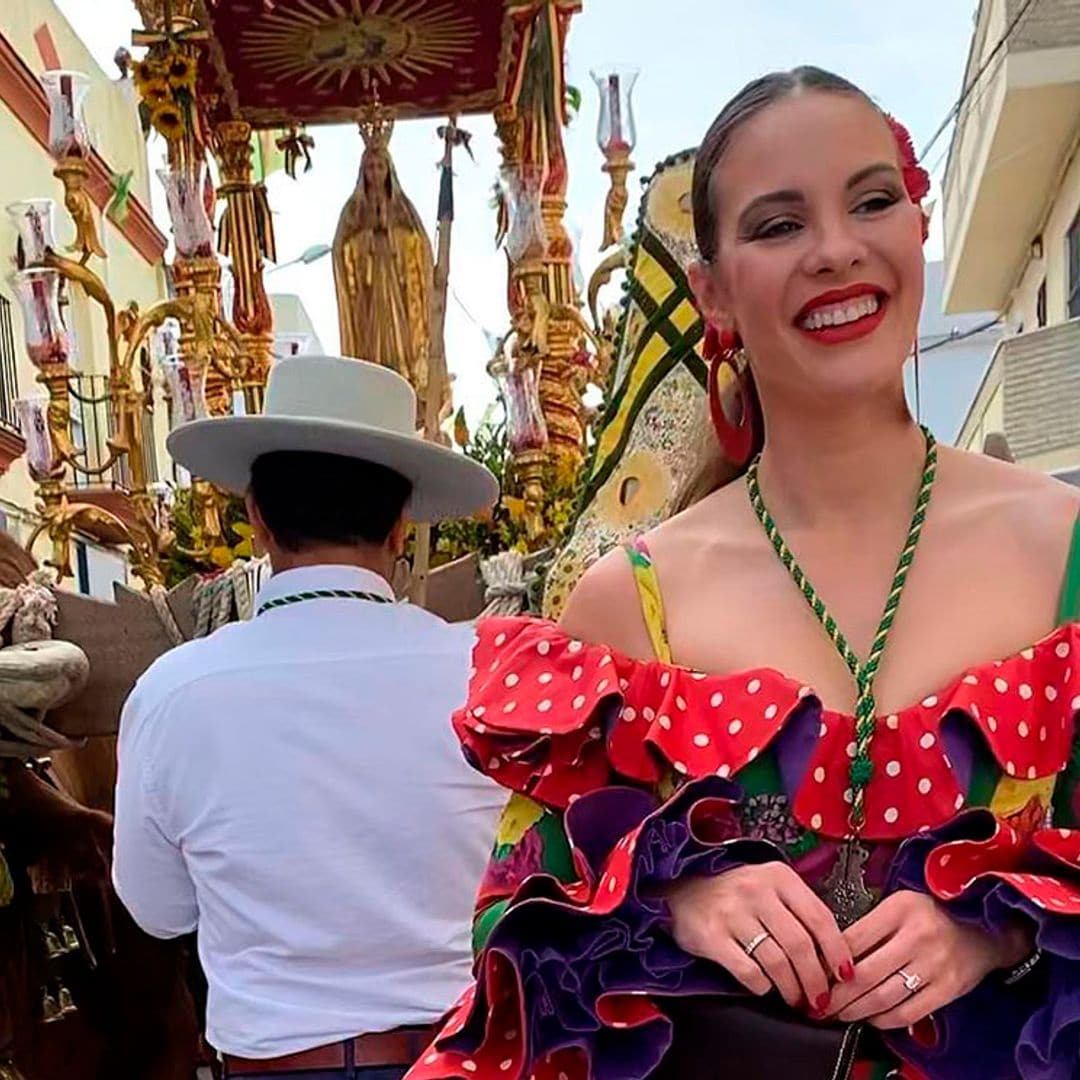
x: 748, y: 102
x: 307, y: 499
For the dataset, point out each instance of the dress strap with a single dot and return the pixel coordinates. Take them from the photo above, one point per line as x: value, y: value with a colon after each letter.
x: 1069, y: 606
x: 652, y: 604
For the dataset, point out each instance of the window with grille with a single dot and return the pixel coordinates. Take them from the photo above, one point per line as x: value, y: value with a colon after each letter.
x: 9, y: 386
x: 1074, y: 269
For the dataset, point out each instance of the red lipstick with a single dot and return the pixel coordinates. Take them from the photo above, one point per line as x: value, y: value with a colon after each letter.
x: 850, y: 331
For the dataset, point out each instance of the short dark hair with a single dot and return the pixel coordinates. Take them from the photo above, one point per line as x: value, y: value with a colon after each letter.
x: 749, y: 101
x: 308, y: 498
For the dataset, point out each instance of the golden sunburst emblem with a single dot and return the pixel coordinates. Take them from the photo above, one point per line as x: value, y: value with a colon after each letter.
x: 378, y: 40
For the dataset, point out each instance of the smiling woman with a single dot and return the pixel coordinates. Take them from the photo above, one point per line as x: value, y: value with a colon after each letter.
x: 780, y: 807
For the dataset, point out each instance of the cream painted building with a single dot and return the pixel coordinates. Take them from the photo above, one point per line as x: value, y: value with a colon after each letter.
x: 1012, y: 225
x: 34, y: 37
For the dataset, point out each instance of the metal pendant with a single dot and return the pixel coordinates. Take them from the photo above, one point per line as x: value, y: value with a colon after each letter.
x: 844, y: 890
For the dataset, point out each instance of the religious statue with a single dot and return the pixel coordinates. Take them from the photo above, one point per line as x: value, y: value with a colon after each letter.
x: 383, y: 269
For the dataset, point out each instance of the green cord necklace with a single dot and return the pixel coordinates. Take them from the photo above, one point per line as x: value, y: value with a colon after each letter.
x: 849, y: 898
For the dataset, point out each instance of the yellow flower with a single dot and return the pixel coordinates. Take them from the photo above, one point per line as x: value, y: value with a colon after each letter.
x: 222, y: 557
x: 155, y: 92
x: 147, y: 71
x: 168, y: 120
x: 181, y: 71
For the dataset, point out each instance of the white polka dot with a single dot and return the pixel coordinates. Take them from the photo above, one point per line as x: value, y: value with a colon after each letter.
x: 480, y: 729
x: 544, y: 706
x: 1022, y: 729
x: 1027, y: 654
x: 1062, y: 650
x: 892, y: 815
x: 1000, y: 685
x: 624, y: 685
x: 753, y: 686
x: 823, y: 730
x: 754, y: 751
x: 511, y: 1035
x: 574, y: 646
x: 604, y: 660
x: 469, y: 1065
x: 665, y: 722
x: 680, y: 704
x: 494, y: 666
x: 629, y: 714
x: 927, y: 740
x: 724, y: 771
x: 816, y: 822
x: 1032, y: 772
x: 991, y: 723
x: 849, y: 796
x: 716, y: 700
x: 649, y: 714
x: 852, y: 750
x: 893, y: 768
x: 701, y: 739
x: 819, y: 774
x: 505, y: 1066
x: 734, y: 727
x: 1051, y: 693
x: 431, y: 1059
x: 944, y: 860
x: 929, y: 702
x: 544, y: 678
x: 805, y: 691
x: 771, y: 712
x: 959, y: 801
x: 665, y: 679
x: 577, y: 673
x: 1075, y: 703
x: 494, y: 763
x: 479, y: 711
x: 545, y: 731
x: 1010, y: 768
x: 602, y: 685
x: 924, y: 786
x: 679, y: 767
x: 924, y: 828
x: 971, y: 680
x: 892, y: 722
x: 500, y: 641
x: 1042, y: 733
x: 543, y: 648
x: 975, y: 710
x: 579, y: 701
x: 612, y: 884
x: 1024, y: 691
x: 511, y: 681
x: 510, y: 706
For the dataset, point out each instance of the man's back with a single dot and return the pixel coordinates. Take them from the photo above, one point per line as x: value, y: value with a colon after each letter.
x: 295, y: 783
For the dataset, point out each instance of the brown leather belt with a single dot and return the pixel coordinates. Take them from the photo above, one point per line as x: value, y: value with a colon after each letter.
x: 402, y: 1046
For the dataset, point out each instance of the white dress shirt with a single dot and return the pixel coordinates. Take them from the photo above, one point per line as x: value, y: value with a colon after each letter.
x: 291, y: 788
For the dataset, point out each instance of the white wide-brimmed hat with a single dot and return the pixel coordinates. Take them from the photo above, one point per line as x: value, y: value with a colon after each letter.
x: 333, y: 405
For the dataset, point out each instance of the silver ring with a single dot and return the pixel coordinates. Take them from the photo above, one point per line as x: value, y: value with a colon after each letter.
x: 755, y: 941
x: 912, y: 982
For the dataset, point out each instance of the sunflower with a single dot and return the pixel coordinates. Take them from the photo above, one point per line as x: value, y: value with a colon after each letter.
x: 155, y: 92
x: 181, y: 71
x: 168, y: 120
x: 146, y: 72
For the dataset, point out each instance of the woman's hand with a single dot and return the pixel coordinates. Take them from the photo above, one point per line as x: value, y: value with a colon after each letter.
x: 802, y: 952
x: 910, y: 936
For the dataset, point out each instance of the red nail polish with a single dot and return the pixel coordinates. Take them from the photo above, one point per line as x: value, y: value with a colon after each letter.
x: 847, y: 971
x: 822, y: 1003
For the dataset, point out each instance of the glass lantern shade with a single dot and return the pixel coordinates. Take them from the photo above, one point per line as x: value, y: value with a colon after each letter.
x: 193, y: 232
x: 38, y: 293
x: 33, y: 416
x: 186, y: 399
x: 525, y: 238
x: 66, y: 92
x: 33, y: 220
x: 519, y: 387
x: 616, y: 131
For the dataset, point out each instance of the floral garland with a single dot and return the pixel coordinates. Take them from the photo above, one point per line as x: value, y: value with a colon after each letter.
x: 166, y: 86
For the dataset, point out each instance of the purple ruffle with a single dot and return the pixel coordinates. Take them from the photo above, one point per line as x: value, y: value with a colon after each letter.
x: 567, y: 957
x: 1030, y: 1029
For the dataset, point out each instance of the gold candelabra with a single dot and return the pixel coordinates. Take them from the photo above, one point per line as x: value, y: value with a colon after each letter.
x: 207, y: 344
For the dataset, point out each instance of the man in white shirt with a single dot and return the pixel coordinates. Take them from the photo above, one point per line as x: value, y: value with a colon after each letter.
x: 290, y: 787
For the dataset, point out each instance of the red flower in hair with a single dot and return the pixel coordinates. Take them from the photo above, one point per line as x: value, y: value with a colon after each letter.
x: 916, y: 178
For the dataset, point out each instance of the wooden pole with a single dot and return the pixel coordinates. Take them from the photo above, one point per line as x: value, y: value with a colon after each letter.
x: 437, y: 374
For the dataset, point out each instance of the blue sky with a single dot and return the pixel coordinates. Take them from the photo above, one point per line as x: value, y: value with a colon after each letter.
x: 693, y: 54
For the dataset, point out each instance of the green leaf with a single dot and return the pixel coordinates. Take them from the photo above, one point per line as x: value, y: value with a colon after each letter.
x: 573, y: 98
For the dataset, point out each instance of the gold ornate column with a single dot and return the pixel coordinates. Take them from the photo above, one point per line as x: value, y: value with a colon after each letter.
x: 246, y: 237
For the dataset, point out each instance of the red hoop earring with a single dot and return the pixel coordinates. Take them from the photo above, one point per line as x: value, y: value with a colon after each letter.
x: 737, y: 440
